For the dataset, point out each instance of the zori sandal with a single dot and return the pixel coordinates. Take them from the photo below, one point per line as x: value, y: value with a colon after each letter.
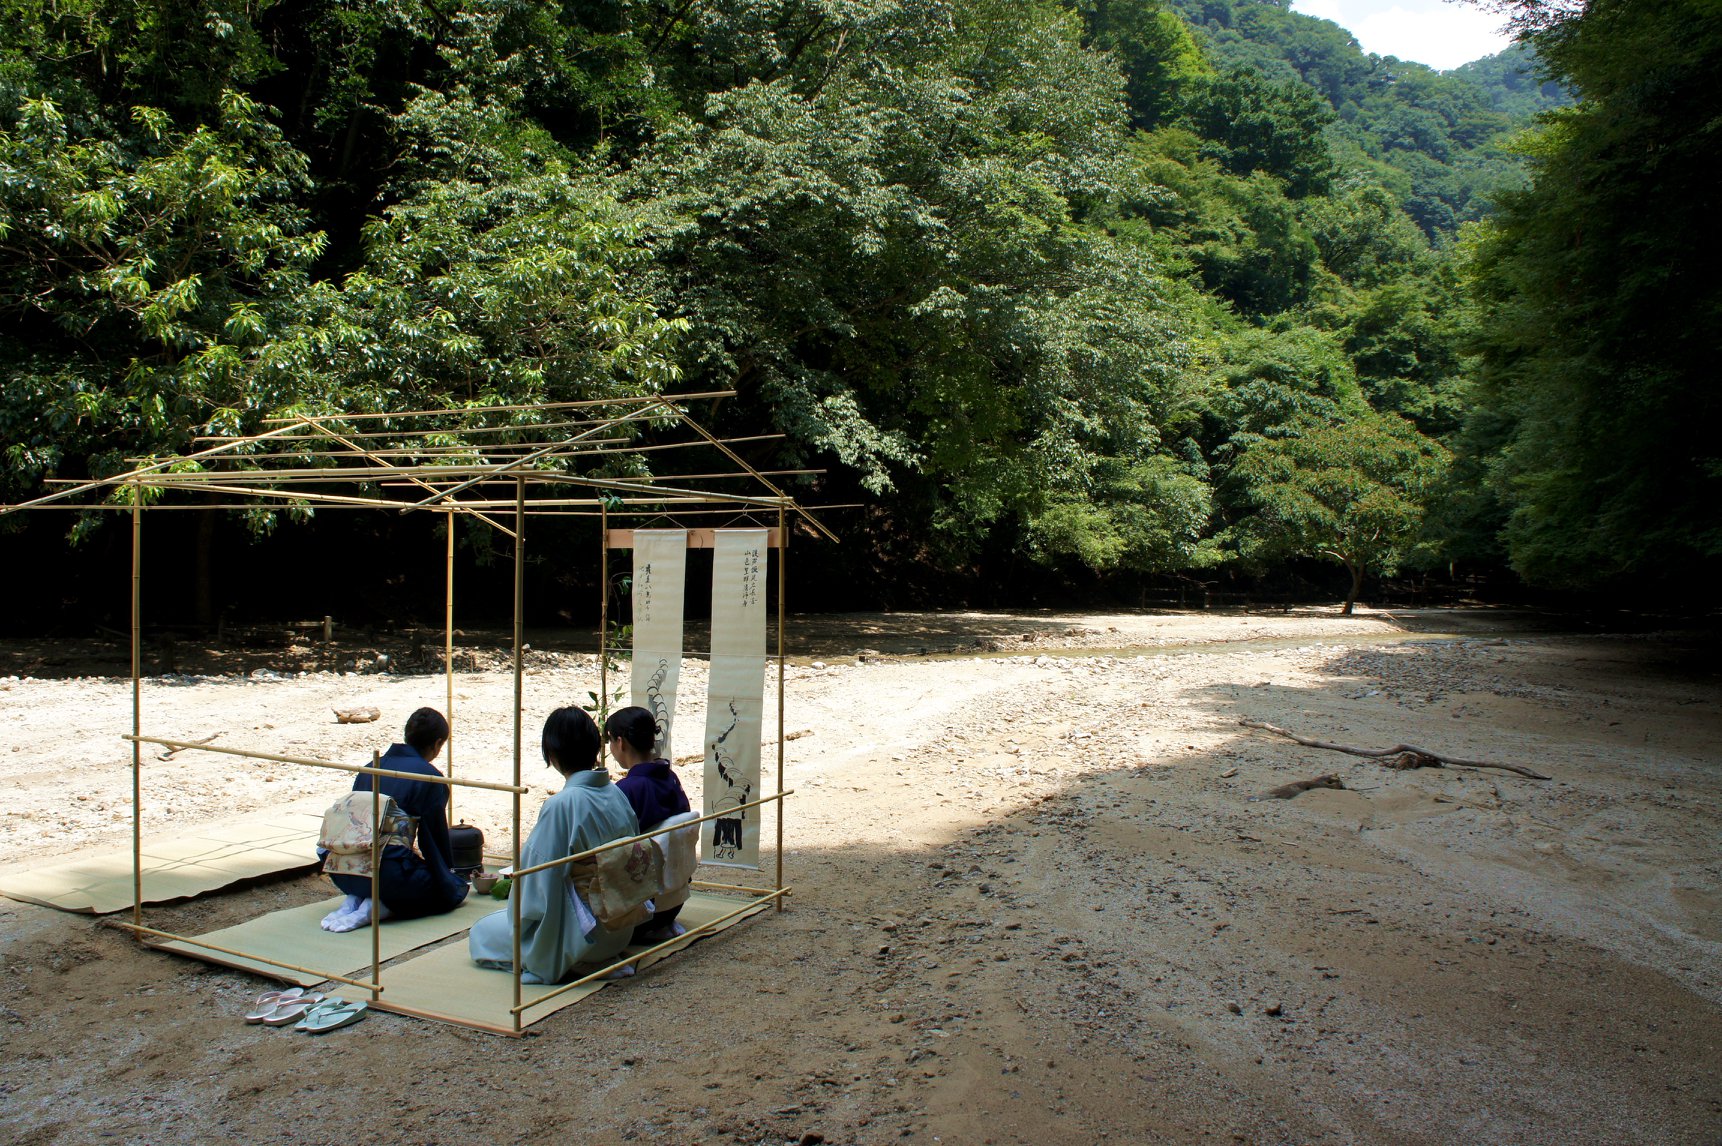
x: 269, y: 1000
x: 329, y: 1015
x: 290, y: 1010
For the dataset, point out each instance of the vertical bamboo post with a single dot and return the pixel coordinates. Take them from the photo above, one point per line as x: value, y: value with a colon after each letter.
x: 376, y: 875
x: 782, y: 585
x: 448, y: 661
x: 137, y: 703
x: 603, y: 607
x: 519, y: 631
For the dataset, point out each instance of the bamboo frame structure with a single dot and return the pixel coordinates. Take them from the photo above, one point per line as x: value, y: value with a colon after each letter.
x: 447, y: 462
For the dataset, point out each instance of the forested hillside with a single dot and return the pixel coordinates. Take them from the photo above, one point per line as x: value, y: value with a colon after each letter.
x: 1097, y: 290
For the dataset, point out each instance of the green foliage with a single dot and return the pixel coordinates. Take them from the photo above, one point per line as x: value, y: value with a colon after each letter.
x: 1600, y: 300
x: 1154, y: 50
x: 1514, y: 81
x: 1436, y: 139
x: 139, y: 272
x: 1351, y: 491
x: 1270, y: 381
x: 893, y: 267
x: 1145, y: 516
x: 1242, y: 236
x: 1078, y: 279
x: 1254, y: 124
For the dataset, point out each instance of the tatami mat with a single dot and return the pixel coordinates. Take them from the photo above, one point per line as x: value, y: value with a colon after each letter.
x: 292, y: 936
x: 446, y: 983
x: 190, y: 863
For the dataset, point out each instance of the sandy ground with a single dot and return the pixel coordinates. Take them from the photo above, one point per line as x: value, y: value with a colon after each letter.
x: 1035, y: 902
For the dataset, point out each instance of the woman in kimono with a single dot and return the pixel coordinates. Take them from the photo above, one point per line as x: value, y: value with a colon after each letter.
x: 416, y: 876
x: 651, y: 786
x: 587, y: 812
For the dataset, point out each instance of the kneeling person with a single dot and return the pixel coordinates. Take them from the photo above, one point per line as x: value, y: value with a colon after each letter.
x: 412, y: 881
x: 655, y: 792
x: 588, y: 812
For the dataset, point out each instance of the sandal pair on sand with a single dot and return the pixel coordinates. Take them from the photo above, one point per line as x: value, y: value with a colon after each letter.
x: 307, y: 1011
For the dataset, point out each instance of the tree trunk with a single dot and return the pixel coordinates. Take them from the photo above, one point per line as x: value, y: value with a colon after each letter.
x: 1355, y: 568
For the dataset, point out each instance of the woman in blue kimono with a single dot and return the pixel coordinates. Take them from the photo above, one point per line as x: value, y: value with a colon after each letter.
x: 411, y: 881
x: 587, y: 812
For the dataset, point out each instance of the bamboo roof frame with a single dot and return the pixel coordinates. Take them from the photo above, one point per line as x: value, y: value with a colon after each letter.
x: 268, y: 469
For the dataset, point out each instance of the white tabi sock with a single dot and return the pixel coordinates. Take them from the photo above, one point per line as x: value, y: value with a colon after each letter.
x: 347, y: 907
x: 360, y: 917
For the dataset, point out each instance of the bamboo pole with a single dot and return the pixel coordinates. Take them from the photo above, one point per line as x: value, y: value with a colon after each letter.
x: 385, y: 464
x: 542, y: 507
x: 737, y: 459
x: 605, y: 972
x: 519, y: 632
x: 782, y: 585
x: 512, y: 1032
x: 448, y: 655
x: 584, y: 403
x: 376, y: 873
x: 172, y: 938
x: 627, y: 840
x: 707, y: 885
x: 137, y: 703
x: 603, y: 607
x: 431, y: 431
x: 525, y: 460
x: 104, y: 483
x: 187, y: 746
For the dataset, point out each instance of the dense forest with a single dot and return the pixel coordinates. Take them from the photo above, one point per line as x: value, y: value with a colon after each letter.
x: 1074, y: 296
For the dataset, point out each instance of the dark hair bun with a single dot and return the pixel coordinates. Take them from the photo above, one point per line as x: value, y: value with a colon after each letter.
x: 635, y: 725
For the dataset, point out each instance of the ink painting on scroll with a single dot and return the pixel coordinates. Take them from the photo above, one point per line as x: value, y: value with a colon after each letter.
x: 736, y: 698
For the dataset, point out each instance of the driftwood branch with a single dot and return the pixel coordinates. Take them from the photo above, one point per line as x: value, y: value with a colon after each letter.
x: 172, y: 752
x: 1405, y: 755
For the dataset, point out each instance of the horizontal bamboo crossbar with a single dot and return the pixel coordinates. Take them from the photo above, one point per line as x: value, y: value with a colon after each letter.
x: 648, y: 479
x: 250, y: 754
x: 384, y: 1004
x: 590, y: 852
x: 708, y: 885
x: 581, y: 404
x: 763, y: 896
x: 317, y: 432
x: 561, y: 507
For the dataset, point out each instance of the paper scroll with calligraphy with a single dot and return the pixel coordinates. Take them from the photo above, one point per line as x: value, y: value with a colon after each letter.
x: 660, y: 570
x: 737, y: 696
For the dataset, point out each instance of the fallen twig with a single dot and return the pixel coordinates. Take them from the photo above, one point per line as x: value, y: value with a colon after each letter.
x: 1407, y: 756
x: 172, y: 752
x: 1297, y: 788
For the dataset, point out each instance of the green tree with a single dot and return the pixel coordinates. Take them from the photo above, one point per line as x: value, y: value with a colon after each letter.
x: 1254, y: 124
x: 1350, y: 491
x: 1599, y: 304
x: 1154, y: 50
x: 892, y: 265
x: 142, y: 269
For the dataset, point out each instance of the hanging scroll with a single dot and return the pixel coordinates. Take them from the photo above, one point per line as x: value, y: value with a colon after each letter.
x: 660, y: 568
x: 737, y: 697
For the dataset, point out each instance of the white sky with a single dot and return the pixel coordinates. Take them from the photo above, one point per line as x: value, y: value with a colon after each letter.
x: 1434, y: 32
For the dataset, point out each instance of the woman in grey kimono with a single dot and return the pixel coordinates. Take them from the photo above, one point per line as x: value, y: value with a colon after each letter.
x: 587, y: 812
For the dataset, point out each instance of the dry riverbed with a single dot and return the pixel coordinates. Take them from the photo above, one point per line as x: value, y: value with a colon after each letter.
x: 1035, y: 901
